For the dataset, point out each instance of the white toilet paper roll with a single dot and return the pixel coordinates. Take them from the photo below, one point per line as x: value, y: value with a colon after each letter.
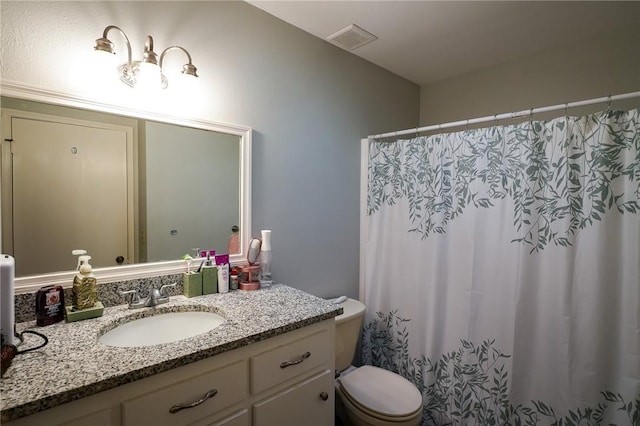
x: 7, y: 301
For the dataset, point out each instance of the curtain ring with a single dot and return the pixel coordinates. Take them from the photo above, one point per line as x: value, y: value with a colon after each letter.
x: 467, y: 125
x: 417, y: 133
x: 495, y: 119
x: 608, y: 104
x: 566, y: 109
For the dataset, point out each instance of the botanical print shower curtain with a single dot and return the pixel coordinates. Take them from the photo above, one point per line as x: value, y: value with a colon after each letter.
x: 502, y: 271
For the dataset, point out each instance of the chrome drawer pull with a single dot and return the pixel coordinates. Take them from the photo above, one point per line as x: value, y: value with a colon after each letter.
x: 206, y: 396
x: 304, y: 356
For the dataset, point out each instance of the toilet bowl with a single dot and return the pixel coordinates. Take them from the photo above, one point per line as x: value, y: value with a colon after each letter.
x: 369, y: 396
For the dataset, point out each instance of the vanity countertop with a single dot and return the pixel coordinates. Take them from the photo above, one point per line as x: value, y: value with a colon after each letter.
x: 74, y: 364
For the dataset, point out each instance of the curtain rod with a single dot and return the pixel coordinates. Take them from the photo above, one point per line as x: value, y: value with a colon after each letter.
x: 496, y: 117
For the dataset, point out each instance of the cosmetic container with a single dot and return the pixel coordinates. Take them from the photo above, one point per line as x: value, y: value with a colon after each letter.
x: 49, y: 305
x: 265, y: 260
x: 209, y: 279
x: 222, y: 263
x: 233, y: 280
x: 85, y: 286
x: 192, y: 284
x: 84, y: 291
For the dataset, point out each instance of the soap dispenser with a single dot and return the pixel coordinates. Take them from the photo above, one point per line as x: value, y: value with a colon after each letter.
x: 84, y: 293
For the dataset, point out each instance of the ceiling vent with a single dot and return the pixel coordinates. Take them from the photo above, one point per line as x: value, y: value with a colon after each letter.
x: 351, y: 37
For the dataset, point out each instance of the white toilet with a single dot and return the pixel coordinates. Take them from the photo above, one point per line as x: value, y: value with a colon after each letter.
x: 369, y: 396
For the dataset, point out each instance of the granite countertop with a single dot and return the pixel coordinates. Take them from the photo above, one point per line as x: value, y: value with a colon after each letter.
x: 75, y: 365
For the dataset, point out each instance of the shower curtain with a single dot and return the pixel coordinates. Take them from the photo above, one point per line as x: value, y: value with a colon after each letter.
x: 501, y: 270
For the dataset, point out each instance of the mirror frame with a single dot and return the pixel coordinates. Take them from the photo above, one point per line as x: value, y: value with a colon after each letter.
x: 139, y: 270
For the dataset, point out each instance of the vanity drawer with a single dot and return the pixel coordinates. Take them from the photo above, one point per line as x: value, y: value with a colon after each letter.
x: 290, y: 360
x: 241, y: 418
x: 98, y: 418
x: 229, y: 384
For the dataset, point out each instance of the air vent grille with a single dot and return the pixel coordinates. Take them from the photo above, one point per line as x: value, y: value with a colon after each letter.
x: 351, y: 37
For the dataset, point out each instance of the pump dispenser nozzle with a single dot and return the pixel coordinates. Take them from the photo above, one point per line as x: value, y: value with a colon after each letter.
x: 81, y: 257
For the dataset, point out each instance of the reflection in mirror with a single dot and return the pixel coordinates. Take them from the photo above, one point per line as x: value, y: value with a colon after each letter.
x: 192, y: 191
x: 127, y: 190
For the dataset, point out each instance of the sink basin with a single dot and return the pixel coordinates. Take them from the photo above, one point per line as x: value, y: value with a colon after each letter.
x: 163, y: 328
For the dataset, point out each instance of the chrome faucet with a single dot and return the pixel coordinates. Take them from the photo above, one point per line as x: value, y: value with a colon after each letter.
x: 155, y: 297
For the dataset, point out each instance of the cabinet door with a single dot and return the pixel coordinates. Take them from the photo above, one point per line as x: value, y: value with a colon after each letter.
x: 308, y: 402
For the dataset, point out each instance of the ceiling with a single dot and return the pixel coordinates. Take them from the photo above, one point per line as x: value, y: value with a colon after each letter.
x: 428, y: 41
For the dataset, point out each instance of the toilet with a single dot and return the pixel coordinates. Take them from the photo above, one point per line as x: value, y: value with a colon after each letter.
x: 369, y: 396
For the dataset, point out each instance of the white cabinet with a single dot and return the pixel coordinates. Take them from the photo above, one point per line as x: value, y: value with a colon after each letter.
x: 283, y: 380
x: 187, y: 401
x: 308, y: 399
x: 99, y: 418
x: 307, y: 402
x: 241, y: 418
x: 289, y: 360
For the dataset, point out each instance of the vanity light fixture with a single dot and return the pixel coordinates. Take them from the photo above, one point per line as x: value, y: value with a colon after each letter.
x: 148, y: 71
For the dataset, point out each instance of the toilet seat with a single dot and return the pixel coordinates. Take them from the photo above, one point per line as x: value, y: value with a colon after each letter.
x: 381, y: 394
x: 370, y: 418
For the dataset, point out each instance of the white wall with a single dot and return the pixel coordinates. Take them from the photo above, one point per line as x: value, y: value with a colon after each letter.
x: 609, y: 64
x: 308, y: 102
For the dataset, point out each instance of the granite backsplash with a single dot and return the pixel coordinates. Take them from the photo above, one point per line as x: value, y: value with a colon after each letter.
x: 107, y: 293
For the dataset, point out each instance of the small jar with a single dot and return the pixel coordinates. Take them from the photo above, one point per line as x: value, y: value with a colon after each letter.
x: 234, y: 279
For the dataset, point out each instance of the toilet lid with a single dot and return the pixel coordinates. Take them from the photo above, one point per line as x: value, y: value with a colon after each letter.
x: 382, y: 391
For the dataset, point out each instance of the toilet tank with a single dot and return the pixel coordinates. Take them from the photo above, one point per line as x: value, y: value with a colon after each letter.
x: 348, y: 326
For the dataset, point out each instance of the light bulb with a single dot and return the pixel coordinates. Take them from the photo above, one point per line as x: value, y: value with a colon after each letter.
x: 148, y: 76
x: 104, y: 64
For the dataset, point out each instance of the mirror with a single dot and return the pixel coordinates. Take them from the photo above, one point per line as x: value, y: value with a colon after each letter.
x: 181, y: 185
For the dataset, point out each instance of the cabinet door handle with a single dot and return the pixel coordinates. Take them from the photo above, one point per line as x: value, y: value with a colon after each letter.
x: 206, y: 396
x: 324, y: 396
x: 286, y: 364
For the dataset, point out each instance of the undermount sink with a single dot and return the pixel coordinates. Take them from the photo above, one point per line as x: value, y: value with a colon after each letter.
x: 162, y: 328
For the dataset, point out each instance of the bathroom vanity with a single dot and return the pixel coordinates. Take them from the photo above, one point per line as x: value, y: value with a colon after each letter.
x: 271, y: 362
